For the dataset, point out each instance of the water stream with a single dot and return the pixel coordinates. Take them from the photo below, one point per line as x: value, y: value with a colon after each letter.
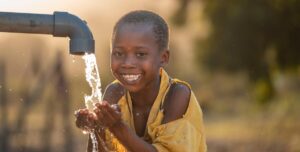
x: 93, y: 78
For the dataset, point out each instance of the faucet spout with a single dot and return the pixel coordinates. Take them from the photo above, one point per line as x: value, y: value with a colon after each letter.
x: 60, y: 24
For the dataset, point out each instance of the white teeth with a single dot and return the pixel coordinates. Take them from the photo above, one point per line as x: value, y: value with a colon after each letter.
x: 131, y: 77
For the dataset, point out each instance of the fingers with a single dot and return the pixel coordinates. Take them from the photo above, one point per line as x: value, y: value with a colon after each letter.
x: 116, y: 107
x: 79, y: 112
x: 84, y: 118
x: 80, y: 119
x: 115, y: 111
x: 103, y: 117
x: 107, y: 115
x: 104, y: 114
x: 98, y: 117
x: 108, y: 119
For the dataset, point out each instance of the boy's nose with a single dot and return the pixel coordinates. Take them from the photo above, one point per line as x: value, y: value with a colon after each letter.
x: 129, y: 62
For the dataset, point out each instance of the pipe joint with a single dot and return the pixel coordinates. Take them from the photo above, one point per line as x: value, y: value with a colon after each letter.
x: 68, y: 25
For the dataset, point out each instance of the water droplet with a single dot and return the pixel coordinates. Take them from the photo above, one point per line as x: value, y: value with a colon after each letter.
x: 21, y: 99
x: 10, y: 90
x: 0, y: 86
x: 73, y: 58
x: 85, y: 132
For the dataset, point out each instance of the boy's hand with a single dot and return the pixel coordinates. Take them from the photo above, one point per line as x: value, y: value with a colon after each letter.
x: 107, y: 115
x: 85, y: 119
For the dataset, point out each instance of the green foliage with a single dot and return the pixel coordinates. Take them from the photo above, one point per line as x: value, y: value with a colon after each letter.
x: 243, y: 30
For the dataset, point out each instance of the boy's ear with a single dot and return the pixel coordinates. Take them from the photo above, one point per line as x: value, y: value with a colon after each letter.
x: 165, y: 54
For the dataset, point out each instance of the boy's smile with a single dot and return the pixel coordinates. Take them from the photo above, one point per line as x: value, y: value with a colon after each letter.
x: 131, y: 78
x: 135, y: 57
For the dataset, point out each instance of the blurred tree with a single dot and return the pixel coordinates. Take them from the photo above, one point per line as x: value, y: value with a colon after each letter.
x: 256, y: 36
x: 4, y: 129
x: 179, y: 18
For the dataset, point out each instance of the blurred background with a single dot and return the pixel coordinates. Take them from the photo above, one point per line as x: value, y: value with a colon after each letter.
x: 242, y: 58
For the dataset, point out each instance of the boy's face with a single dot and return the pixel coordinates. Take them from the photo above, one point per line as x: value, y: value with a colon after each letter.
x: 135, y: 56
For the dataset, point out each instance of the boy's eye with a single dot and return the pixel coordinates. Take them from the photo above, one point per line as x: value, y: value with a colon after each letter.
x: 141, y: 54
x: 117, y: 54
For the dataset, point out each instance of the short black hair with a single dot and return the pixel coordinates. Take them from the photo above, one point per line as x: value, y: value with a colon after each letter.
x: 160, y: 27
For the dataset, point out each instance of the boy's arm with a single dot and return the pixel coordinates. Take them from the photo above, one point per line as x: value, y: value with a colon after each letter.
x: 175, y: 106
x: 130, y: 140
x: 176, y: 102
x: 113, y: 93
x: 121, y: 131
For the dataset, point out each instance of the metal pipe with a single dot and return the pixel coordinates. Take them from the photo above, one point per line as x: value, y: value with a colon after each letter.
x: 60, y: 24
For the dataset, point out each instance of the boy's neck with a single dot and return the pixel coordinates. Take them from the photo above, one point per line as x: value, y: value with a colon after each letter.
x: 147, y: 96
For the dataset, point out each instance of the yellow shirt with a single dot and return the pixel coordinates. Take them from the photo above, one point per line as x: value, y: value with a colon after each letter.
x: 182, y: 135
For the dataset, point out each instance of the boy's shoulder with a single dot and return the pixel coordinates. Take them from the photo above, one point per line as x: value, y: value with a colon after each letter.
x: 176, y: 101
x: 113, y: 93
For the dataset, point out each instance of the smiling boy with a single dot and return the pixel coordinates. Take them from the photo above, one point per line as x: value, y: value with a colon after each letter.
x: 155, y: 112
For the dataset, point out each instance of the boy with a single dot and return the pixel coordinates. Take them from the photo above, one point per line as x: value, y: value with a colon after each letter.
x: 154, y: 112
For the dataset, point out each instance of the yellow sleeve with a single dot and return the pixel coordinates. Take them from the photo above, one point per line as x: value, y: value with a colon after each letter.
x: 178, y: 136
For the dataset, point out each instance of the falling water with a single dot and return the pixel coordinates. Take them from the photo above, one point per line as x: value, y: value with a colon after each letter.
x: 93, y: 78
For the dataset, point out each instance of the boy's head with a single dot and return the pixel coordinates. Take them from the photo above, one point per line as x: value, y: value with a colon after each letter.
x: 139, y: 48
x: 159, y: 26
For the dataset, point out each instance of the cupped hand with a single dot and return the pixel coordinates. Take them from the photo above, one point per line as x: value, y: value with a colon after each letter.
x: 85, y: 119
x: 107, y: 115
